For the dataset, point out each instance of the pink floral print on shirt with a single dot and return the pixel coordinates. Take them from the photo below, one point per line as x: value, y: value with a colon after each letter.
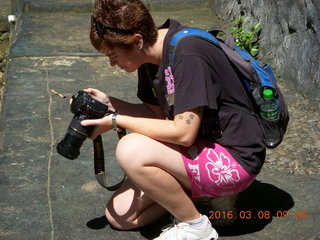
x: 169, y: 80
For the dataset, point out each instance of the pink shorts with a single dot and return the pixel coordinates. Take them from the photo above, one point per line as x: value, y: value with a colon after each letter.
x: 213, y: 171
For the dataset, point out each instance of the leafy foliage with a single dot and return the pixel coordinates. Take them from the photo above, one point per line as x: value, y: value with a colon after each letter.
x: 246, y: 39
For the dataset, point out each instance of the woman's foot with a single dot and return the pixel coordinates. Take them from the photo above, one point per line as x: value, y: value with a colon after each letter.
x: 199, y: 229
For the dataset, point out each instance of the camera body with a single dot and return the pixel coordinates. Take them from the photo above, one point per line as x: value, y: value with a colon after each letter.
x: 83, y: 106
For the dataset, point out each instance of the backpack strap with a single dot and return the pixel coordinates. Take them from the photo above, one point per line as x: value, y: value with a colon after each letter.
x: 229, y: 38
x: 189, y: 32
x: 228, y: 48
x: 241, y: 63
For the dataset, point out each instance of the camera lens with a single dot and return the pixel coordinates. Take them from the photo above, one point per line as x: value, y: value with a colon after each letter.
x: 70, y: 145
x: 83, y: 107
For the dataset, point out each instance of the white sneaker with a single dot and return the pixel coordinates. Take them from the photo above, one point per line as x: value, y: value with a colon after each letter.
x: 184, y: 231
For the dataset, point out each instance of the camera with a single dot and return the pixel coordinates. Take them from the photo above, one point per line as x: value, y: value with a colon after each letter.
x: 83, y: 106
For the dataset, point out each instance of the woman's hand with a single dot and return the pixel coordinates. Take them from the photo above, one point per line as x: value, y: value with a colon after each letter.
x: 101, y: 125
x: 100, y: 96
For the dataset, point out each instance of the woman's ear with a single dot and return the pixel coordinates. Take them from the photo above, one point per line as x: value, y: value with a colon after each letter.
x: 138, y: 41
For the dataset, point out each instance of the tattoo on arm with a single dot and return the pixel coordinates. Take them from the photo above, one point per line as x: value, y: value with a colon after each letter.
x: 191, y: 117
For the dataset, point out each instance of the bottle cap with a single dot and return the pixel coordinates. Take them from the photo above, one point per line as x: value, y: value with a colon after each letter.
x: 267, y: 94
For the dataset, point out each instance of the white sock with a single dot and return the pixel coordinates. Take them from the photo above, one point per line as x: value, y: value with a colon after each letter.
x: 198, y: 223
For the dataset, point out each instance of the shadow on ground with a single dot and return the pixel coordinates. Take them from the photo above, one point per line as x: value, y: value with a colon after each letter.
x: 256, y: 207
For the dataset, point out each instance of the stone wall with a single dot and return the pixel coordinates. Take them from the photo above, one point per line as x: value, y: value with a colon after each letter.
x: 167, y: 5
x: 290, y: 37
x: 4, y: 12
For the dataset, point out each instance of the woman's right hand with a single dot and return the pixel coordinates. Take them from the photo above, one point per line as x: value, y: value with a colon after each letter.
x: 100, y: 96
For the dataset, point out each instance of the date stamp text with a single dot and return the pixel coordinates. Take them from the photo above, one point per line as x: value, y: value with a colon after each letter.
x: 247, y: 214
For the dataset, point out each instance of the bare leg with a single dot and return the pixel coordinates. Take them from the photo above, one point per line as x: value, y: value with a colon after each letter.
x: 158, y: 170
x: 130, y: 208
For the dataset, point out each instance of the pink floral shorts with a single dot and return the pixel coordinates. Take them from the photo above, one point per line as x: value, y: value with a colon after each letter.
x: 213, y: 171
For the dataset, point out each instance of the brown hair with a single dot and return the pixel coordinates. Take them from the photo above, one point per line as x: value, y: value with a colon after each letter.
x: 123, y: 14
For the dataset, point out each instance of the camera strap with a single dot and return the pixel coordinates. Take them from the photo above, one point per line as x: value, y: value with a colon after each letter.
x: 99, y: 167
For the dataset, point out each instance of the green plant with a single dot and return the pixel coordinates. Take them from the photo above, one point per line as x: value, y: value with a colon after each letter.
x: 246, y: 39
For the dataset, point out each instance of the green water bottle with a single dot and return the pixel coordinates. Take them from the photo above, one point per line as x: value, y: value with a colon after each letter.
x: 270, y: 109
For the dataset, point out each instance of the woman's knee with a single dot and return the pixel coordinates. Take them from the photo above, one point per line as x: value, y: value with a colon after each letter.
x: 130, y: 150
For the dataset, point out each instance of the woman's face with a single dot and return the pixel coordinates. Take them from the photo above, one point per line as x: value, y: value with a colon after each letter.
x: 128, y: 60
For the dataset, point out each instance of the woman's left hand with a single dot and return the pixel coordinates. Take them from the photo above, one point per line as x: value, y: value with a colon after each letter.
x: 101, y: 125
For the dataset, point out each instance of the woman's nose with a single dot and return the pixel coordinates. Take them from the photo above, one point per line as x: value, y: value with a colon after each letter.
x: 112, y: 62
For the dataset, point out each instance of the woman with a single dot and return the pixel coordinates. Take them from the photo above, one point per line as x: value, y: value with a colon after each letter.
x: 185, y: 144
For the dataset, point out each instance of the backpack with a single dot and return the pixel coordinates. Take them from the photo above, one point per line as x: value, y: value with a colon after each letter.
x: 255, y: 76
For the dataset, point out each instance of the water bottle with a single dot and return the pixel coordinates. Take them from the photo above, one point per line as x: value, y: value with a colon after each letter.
x: 270, y: 113
x: 270, y: 109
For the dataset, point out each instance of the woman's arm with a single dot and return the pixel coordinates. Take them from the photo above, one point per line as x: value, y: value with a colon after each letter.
x: 137, y: 110
x: 182, y: 130
x: 126, y: 108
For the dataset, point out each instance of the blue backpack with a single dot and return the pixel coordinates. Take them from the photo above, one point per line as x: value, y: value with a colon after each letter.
x: 255, y: 76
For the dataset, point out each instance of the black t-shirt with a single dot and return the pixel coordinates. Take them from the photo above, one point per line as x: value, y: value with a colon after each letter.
x: 203, y: 77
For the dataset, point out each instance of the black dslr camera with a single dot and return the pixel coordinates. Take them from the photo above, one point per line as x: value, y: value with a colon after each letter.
x: 83, y: 107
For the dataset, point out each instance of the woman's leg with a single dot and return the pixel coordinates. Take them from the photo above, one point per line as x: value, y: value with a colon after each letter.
x: 156, y: 169
x: 130, y: 208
